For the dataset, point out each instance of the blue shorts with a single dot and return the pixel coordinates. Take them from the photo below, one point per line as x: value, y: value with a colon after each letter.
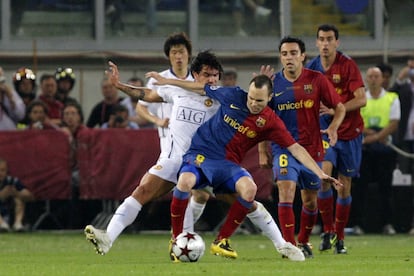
x: 287, y: 167
x: 345, y: 156
x: 222, y: 175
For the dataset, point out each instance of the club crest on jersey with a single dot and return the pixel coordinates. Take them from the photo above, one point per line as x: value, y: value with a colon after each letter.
x: 208, y: 102
x: 283, y: 171
x: 260, y: 122
x: 308, y: 88
x: 157, y: 167
x: 336, y: 78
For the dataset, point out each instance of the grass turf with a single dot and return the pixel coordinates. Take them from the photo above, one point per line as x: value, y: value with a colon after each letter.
x: 55, y: 253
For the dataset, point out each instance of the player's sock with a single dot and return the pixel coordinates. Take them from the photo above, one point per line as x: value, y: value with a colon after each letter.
x: 124, y: 215
x: 265, y: 222
x: 307, y: 221
x: 287, y: 221
x: 237, y: 212
x: 192, y: 214
x: 178, y: 205
x: 343, y: 208
x: 326, y: 208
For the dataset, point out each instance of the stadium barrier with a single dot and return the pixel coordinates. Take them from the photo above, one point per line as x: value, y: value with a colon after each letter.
x: 111, y: 163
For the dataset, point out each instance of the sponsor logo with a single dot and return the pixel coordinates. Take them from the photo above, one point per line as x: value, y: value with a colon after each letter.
x: 232, y: 106
x: 237, y: 222
x: 239, y: 127
x: 289, y: 225
x: 296, y: 105
x: 175, y: 216
x: 189, y: 115
x: 279, y: 93
x: 350, y: 170
x: 314, y: 183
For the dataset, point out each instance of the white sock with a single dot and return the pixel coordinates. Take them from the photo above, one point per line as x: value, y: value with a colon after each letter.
x: 265, y: 222
x: 124, y: 215
x: 192, y: 214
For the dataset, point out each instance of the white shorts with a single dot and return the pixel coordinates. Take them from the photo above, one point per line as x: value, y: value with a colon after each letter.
x: 167, y: 168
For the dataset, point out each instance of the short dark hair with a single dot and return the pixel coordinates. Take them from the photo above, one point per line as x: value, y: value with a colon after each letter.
x: 35, y: 103
x: 206, y: 58
x: 262, y: 80
x: 289, y: 39
x: 136, y: 79
x: 178, y: 39
x: 46, y: 77
x: 327, y: 28
x: 77, y: 107
x: 230, y: 73
x: 118, y: 108
x: 385, y: 68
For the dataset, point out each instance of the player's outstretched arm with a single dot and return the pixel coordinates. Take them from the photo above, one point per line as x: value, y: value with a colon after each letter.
x: 196, y: 87
x: 304, y: 157
x: 142, y: 93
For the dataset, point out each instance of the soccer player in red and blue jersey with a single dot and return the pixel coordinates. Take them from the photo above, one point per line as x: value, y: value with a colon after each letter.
x: 297, y: 95
x: 345, y: 156
x: 219, y: 145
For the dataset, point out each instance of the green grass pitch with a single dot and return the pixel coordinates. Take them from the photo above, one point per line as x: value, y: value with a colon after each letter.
x: 63, y: 253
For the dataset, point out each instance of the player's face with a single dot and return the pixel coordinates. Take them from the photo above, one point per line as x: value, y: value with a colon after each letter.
x: 257, y: 98
x: 178, y: 57
x: 291, y: 57
x: 207, y: 75
x: 327, y: 43
x: 374, y: 78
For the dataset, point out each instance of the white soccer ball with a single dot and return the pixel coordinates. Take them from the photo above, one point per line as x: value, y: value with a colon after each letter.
x: 189, y: 247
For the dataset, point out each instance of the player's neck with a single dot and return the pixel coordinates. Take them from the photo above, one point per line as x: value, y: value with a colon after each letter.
x: 180, y: 73
x: 327, y: 61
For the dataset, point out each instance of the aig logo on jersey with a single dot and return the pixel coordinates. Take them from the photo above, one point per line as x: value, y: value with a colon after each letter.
x: 260, y: 122
x: 308, y: 88
x: 190, y: 115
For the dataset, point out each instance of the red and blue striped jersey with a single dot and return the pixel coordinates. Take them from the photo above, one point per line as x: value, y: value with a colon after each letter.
x: 233, y: 130
x: 346, y: 78
x: 297, y: 104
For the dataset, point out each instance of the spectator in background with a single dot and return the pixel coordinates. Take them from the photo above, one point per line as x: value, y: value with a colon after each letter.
x: 36, y: 114
x: 12, y: 188
x: 229, y: 78
x: 65, y: 79
x: 131, y: 103
x: 102, y: 110
x: 387, y: 71
x: 381, y: 116
x: 403, y: 75
x: 73, y: 126
x: 24, y: 81
x: 48, y: 90
x: 405, y: 138
x: 12, y: 108
x: 119, y: 119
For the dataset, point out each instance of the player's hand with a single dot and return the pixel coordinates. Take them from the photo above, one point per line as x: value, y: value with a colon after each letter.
x: 332, y: 135
x: 333, y: 181
x: 112, y: 73
x: 158, y: 78
x: 324, y: 110
x: 266, y: 70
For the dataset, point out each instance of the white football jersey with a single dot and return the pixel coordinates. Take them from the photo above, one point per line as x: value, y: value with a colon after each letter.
x: 189, y: 111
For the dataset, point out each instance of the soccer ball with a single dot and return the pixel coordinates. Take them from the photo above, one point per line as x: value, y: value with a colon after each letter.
x: 188, y: 247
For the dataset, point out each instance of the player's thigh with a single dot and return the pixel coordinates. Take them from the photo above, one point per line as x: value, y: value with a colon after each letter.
x: 151, y: 187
